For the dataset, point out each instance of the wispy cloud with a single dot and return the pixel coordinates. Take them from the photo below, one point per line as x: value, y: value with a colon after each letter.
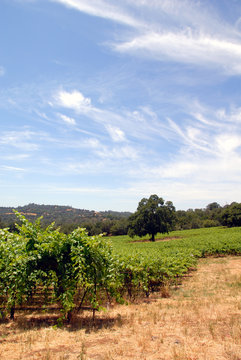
x: 67, y: 119
x: 206, y: 164
x: 187, y: 47
x: 177, y: 31
x: 132, y: 128
x: 117, y: 123
x: 15, y: 157
x: 19, y: 139
x: 104, y: 9
x: 116, y: 134
x: 11, y: 168
x: 118, y: 153
x: 203, y: 133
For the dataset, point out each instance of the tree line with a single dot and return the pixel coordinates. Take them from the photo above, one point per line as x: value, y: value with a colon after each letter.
x: 212, y: 215
x: 119, y: 223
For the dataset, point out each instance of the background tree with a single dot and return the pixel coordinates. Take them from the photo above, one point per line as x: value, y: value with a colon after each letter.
x: 231, y: 215
x: 120, y: 227
x: 213, y: 206
x: 153, y: 215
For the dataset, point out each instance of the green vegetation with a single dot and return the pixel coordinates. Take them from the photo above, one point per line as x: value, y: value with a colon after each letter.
x: 68, y: 218
x: 75, y: 270
x: 231, y: 216
x: 60, y: 268
x: 147, y: 265
x: 153, y: 215
x: 118, y: 223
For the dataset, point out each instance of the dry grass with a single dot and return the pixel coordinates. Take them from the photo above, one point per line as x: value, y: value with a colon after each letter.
x: 201, y: 320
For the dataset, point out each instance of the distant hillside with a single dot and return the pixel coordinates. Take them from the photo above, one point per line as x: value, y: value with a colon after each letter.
x: 60, y: 214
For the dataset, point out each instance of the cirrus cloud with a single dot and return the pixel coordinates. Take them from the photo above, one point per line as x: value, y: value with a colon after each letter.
x: 179, y: 31
x: 67, y: 119
x: 187, y: 47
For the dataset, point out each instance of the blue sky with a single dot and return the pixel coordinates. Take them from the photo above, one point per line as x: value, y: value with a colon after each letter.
x: 103, y: 103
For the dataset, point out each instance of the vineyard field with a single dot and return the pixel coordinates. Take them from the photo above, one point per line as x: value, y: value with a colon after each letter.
x: 148, y: 265
x: 76, y: 271
x: 205, y: 242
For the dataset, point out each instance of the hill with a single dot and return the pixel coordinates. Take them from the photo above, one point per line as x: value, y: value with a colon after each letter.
x: 61, y: 215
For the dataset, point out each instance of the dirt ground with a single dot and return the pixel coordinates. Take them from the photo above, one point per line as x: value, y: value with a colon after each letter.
x: 156, y: 240
x: 200, y: 320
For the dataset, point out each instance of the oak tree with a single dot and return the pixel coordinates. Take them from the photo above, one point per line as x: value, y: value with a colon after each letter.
x: 153, y: 215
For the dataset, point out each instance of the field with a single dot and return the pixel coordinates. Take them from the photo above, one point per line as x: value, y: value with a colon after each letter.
x: 204, y: 241
x: 147, y: 265
x: 191, y: 315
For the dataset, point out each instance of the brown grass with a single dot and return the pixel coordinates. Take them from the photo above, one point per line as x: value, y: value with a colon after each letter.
x: 200, y: 321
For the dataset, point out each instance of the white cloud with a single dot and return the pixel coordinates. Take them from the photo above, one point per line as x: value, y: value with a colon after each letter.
x: 169, y: 30
x: 205, y: 170
x: 186, y: 47
x: 141, y: 123
x: 192, y: 180
x: 67, y: 119
x: 11, y: 168
x: 196, y: 194
x: 103, y: 9
x: 205, y: 120
x: 228, y: 143
x: 102, y: 159
x: 189, y: 156
x: 147, y: 14
x: 73, y: 100
x: 233, y: 117
x: 213, y: 133
x: 208, y: 159
x: 116, y: 134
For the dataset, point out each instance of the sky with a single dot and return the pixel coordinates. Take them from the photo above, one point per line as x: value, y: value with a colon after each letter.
x: 105, y: 102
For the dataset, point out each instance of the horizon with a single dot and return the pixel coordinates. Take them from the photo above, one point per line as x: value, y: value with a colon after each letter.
x: 105, y: 103
x: 105, y: 210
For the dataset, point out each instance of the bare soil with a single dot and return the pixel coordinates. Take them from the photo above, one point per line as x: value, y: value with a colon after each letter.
x: 160, y: 239
x: 201, y: 320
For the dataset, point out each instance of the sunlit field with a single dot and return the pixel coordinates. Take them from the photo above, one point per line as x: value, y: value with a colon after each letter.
x: 206, y: 241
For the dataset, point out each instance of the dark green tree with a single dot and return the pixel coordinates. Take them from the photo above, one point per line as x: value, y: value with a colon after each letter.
x: 213, y: 206
x: 231, y: 215
x: 120, y: 227
x: 153, y: 215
